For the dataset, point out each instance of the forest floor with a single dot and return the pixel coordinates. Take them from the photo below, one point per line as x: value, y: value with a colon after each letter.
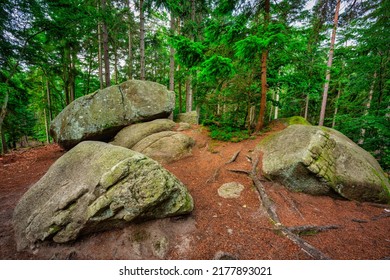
x: 237, y: 226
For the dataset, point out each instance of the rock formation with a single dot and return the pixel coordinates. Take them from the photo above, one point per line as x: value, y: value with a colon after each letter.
x: 319, y: 160
x: 100, y: 115
x: 166, y: 146
x: 94, y: 187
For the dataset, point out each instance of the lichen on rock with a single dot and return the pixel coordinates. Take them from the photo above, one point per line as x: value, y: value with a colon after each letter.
x: 94, y: 187
x: 319, y: 160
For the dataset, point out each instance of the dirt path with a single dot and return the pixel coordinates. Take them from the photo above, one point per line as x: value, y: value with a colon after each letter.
x: 238, y: 227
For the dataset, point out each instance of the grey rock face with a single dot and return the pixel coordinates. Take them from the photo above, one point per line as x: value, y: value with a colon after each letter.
x: 319, y: 160
x: 94, y: 187
x: 166, y: 146
x: 100, y: 115
x: 189, y: 117
x: 131, y: 135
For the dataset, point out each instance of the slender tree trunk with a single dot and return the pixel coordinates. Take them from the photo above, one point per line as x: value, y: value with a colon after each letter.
x: 329, y: 65
x: 100, y: 56
x: 116, y: 72
x: 87, y: 88
x: 130, y: 46
x: 46, y: 127
x: 276, y: 115
x: 172, y: 57
x: 189, y: 94
x: 142, y: 38
x: 105, y: 49
x: 48, y: 97
x: 3, y: 113
x: 4, y: 148
x: 72, y: 74
x: 264, y: 86
x: 336, y: 107
x: 368, y: 105
x: 180, y: 96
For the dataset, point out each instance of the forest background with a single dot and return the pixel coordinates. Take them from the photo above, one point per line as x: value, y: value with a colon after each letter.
x: 240, y: 64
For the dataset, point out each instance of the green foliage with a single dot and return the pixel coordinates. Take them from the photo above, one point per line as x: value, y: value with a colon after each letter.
x: 215, y: 69
x: 188, y: 53
x: 228, y: 133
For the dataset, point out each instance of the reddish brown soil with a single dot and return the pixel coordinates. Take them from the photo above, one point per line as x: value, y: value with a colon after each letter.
x: 238, y: 227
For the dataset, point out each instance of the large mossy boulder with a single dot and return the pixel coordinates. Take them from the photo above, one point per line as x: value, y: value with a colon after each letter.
x: 100, y: 115
x: 131, y: 135
x: 319, y: 160
x: 94, y: 187
x: 166, y: 146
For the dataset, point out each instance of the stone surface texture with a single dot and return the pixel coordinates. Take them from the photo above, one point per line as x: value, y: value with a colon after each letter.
x: 95, y: 187
x: 100, y: 115
x: 319, y: 160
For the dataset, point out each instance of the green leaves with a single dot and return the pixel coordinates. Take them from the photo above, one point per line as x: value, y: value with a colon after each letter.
x: 188, y: 53
x: 215, y: 69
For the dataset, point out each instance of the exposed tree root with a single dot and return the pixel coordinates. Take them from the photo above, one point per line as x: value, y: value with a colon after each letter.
x: 234, y: 157
x: 381, y: 216
x: 278, y: 226
x: 215, y: 175
x: 307, y: 230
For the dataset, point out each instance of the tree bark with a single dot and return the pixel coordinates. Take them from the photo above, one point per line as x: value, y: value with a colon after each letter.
x: 329, y: 65
x: 172, y: 57
x: 264, y: 55
x: 336, y: 107
x: 130, y: 45
x: 189, y: 94
x: 100, y: 56
x: 105, y: 49
x: 368, y: 105
x: 142, y: 38
x: 3, y: 113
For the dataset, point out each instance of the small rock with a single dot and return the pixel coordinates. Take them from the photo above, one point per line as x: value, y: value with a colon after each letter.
x: 230, y: 190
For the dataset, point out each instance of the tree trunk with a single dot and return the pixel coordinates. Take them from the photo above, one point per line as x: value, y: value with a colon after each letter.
x: 336, y: 107
x: 130, y: 46
x: 368, y: 105
x: 180, y: 97
x: 3, y: 112
x: 172, y: 57
x: 189, y: 94
x: 329, y: 65
x: 142, y: 38
x: 72, y: 74
x: 48, y: 96
x: 105, y: 49
x: 46, y: 127
x: 264, y: 55
x: 276, y: 107
x: 116, y: 72
x: 100, y: 56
